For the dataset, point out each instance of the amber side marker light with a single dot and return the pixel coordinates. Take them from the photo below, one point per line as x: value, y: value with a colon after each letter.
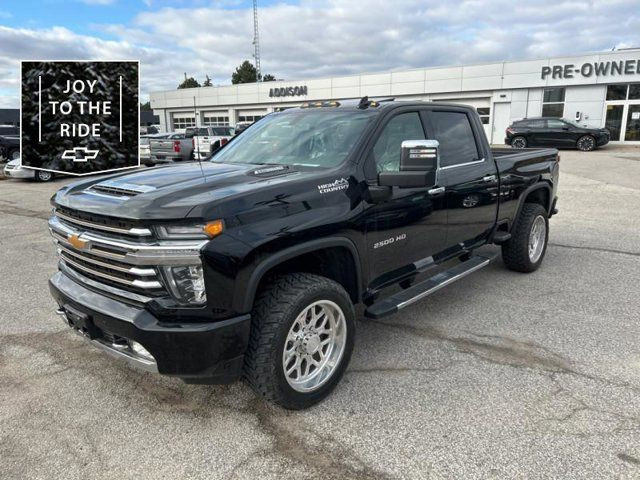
x: 213, y: 229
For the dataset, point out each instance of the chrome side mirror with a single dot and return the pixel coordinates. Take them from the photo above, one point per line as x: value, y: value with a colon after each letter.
x: 419, y: 163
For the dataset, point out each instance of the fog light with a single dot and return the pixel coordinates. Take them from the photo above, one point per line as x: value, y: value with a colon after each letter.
x: 139, y: 350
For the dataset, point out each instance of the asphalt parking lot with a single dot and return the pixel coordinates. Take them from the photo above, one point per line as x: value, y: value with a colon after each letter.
x: 501, y: 375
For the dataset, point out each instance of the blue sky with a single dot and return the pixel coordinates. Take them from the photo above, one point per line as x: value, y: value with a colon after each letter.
x: 83, y: 16
x: 303, y: 39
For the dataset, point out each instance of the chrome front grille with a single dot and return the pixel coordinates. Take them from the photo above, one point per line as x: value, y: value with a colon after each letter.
x: 121, y: 265
x: 100, y: 223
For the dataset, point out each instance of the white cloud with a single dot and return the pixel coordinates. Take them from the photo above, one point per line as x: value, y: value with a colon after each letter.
x: 320, y: 38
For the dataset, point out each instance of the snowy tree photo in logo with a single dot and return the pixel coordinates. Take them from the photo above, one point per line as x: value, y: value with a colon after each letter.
x: 80, y: 117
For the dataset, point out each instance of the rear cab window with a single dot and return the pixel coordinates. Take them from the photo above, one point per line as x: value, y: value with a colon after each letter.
x: 453, y: 130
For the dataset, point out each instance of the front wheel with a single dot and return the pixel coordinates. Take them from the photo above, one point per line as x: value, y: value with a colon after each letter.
x: 586, y: 143
x: 528, y: 244
x: 302, y: 334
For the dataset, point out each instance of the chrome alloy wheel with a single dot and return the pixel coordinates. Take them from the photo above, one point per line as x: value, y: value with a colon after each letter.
x: 537, y: 238
x: 586, y: 143
x: 519, y: 142
x: 314, y: 346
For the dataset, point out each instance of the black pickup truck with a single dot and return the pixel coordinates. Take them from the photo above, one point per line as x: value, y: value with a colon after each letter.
x: 249, y: 264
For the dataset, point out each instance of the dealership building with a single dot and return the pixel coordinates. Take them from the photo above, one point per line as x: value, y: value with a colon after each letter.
x: 596, y: 90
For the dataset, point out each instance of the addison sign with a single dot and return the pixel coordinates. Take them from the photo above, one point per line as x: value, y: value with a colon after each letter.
x: 599, y: 69
x: 288, y: 91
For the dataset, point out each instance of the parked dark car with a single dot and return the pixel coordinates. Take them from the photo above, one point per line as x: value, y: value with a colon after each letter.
x: 9, y: 142
x: 555, y: 132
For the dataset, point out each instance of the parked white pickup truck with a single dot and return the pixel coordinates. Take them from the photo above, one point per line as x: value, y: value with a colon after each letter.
x: 207, y: 140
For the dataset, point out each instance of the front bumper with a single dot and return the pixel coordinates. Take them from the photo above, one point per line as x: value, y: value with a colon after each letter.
x: 18, y: 173
x: 211, y: 352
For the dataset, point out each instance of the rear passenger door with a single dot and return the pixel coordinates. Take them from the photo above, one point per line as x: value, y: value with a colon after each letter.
x: 535, y: 131
x: 468, y: 174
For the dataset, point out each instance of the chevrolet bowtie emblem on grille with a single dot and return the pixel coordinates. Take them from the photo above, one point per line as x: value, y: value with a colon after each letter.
x: 77, y: 242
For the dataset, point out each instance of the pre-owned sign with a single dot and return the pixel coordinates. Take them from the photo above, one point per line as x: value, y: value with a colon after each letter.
x: 599, y: 69
x: 79, y: 117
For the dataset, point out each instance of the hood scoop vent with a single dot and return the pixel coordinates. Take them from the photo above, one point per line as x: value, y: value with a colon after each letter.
x: 113, y: 188
x: 270, y: 170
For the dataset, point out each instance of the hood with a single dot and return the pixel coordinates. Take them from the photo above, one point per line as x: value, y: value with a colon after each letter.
x: 171, y: 192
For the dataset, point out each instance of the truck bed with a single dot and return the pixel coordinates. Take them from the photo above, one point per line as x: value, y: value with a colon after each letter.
x: 522, y: 153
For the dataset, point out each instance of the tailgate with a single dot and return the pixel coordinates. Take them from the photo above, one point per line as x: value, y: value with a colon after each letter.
x: 204, y: 142
x: 161, y: 146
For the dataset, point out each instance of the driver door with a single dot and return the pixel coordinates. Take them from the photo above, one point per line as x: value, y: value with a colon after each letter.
x: 410, y: 224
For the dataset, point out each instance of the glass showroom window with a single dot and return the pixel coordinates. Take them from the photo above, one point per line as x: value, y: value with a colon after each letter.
x: 484, y: 113
x: 215, y: 121
x: 183, y: 122
x: 553, y: 102
x: 623, y: 92
x: 617, y: 92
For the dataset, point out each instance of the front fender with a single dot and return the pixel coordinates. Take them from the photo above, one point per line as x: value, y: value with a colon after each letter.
x: 248, y: 280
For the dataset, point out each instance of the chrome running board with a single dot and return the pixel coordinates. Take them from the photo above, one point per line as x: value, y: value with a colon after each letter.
x: 400, y: 300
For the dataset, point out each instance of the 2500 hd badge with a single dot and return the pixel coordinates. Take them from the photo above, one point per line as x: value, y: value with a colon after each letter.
x: 390, y: 240
x: 208, y: 272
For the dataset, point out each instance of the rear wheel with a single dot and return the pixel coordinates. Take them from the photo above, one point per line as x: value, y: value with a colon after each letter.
x: 302, y: 334
x: 14, y: 154
x: 44, y: 176
x: 528, y: 244
x: 519, y: 142
x: 586, y: 143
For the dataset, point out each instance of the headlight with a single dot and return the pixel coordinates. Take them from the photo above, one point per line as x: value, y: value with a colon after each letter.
x: 201, y: 230
x: 186, y: 283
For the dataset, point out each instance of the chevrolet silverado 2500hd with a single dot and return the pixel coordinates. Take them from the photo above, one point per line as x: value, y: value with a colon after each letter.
x: 250, y: 264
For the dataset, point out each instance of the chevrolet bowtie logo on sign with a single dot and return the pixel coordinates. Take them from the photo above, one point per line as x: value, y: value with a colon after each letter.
x: 80, y: 154
x: 80, y: 117
x: 78, y: 243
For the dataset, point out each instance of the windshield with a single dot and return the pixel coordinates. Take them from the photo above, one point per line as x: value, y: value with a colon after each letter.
x: 314, y: 138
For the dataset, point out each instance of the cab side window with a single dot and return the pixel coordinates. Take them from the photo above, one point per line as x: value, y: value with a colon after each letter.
x: 386, y: 151
x: 457, y: 141
x: 555, y: 124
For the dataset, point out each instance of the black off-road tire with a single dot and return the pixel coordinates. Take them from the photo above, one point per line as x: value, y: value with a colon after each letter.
x: 515, y: 252
x: 276, y: 307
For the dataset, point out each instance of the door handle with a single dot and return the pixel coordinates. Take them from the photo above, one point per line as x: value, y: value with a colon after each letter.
x: 489, y: 178
x: 436, y: 191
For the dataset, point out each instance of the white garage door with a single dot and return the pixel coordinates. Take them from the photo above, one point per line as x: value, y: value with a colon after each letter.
x: 182, y: 120
x: 250, y: 115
